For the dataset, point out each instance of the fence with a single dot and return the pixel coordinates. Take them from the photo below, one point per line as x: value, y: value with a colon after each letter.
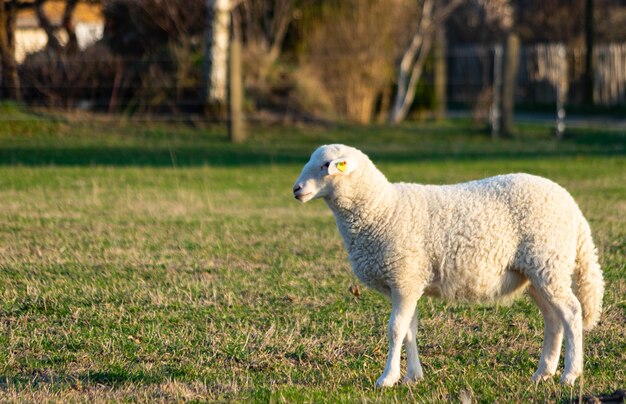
x: 544, y: 70
x: 610, y: 74
x: 171, y: 83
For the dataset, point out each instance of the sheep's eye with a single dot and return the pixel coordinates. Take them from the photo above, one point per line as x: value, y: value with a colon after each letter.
x: 326, y: 165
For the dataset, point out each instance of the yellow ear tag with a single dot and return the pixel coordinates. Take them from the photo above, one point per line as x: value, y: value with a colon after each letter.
x: 341, y: 166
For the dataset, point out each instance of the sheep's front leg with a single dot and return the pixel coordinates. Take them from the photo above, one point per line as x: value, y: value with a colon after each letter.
x: 402, y: 311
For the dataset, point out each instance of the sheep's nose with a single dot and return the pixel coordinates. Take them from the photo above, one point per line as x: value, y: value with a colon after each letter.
x: 296, y: 188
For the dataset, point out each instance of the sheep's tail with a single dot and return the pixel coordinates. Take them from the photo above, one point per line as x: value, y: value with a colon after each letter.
x: 588, y: 280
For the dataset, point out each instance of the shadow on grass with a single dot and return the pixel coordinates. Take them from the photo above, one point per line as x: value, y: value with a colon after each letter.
x: 397, y: 145
x: 111, y: 378
x: 617, y: 397
x: 191, y: 156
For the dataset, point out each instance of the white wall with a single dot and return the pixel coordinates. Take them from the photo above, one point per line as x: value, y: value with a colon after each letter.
x: 29, y: 40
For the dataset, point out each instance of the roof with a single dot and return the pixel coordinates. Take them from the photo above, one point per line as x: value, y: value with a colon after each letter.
x: 84, y: 12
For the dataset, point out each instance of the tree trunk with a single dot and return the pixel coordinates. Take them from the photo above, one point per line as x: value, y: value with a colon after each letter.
x: 68, y: 25
x: 217, y: 35
x: 120, y: 71
x: 385, y: 103
x: 283, y: 13
x: 589, y: 42
x: 46, y: 25
x: 408, y: 76
x: 434, y: 13
x: 511, y: 62
x: 440, y: 73
x: 10, y: 80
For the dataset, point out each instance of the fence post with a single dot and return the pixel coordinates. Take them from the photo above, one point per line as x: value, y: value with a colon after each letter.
x: 588, y: 75
x: 561, y: 92
x: 236, y: 128
x: 440, y: 68
x: 496, y: 92
x: 511, y: 61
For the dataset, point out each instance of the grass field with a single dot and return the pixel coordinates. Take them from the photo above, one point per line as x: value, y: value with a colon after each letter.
x: 158, y: 262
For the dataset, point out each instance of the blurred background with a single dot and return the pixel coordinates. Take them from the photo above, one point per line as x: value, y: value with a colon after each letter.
x: 150, y: 246
x: 359, y: 61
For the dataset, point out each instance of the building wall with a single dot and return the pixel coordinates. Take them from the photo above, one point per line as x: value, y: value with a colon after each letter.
x: 30, y: 40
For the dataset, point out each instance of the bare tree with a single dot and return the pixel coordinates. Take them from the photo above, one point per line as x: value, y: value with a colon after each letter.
x: 68, y: 26
x: 498, y: 12
x: 264, y: 27
x: 433, y: 14
x: 51, y: 29
x: 9, y: 78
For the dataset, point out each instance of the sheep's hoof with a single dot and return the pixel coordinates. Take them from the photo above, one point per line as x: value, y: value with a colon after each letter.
x: 568, y: 379
x: 411, y: 379
x: 387, y: 380
x: 540, y: 376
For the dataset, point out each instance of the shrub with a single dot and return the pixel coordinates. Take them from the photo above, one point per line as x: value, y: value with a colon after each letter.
x: 83, y: 79
x: 352, y: 48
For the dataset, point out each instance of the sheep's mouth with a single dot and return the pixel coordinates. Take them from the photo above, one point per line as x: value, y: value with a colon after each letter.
x: 300, y: 197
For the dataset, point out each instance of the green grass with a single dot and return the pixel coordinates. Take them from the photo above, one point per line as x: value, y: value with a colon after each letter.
x: 159, y: 262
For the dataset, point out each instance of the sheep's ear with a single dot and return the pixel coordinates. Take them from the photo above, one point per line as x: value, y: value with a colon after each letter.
x: 342, y: 166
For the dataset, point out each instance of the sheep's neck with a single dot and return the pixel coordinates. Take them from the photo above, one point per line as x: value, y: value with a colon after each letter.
x: 362, y: 211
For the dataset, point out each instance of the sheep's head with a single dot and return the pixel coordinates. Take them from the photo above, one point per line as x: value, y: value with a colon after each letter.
x: 329, y: 165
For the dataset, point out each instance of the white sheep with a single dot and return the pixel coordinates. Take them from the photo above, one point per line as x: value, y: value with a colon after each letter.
x: 479, y: 241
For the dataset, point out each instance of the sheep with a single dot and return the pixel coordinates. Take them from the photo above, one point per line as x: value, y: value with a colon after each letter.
x: 482, y: 241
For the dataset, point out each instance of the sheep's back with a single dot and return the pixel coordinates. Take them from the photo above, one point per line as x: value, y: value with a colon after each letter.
x: 480, y: 233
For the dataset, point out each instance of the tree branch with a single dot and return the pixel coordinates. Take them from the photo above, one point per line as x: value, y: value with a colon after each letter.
x: 413, y: 59
x: 66, y: 22
x: 443, y: 13
x: 47, y: 26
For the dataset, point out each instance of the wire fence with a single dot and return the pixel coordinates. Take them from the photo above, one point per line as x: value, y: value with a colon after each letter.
x: 544, y: 70
x: 165, y: 88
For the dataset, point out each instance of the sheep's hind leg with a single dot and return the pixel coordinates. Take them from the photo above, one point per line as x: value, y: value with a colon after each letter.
x: 552, y: 338
x: 414, y: 367
x: 402, y: 311
x: 568, y: 310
